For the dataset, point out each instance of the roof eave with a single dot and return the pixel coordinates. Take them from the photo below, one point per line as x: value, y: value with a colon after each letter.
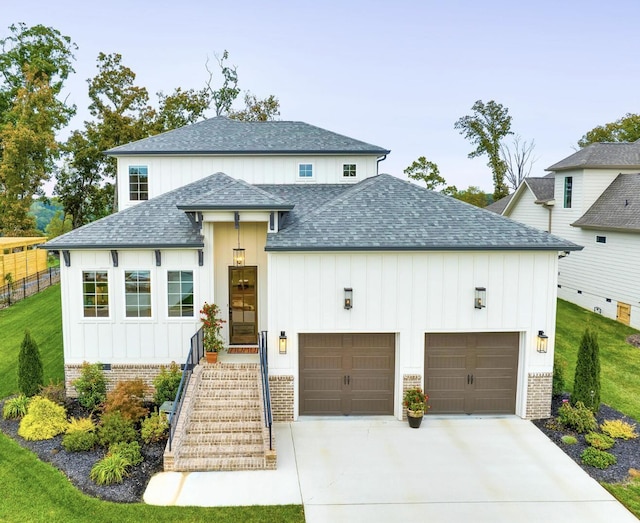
x: 108, y: 246
x: 241, y: 207
x: 367, y: 152
x: 612, y: 228
x: 556, y: 248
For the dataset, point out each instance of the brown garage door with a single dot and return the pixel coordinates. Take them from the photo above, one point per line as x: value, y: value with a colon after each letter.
x: 473, y: 373
x: 343, y: 374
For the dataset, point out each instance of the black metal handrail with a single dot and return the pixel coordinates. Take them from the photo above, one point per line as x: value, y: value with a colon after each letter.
x: 196, y: 352
x: 264, y: 374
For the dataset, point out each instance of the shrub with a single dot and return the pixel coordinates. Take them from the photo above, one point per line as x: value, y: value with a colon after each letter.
x: 569, y: 440
x: 91, y: 386
x: 109, y: 470
x: 79, y: 441
x: 29, y: 366
x: 166, y: 383
x: 598, y: 458
x: 578, y: 418
x: 599, y: 441
x: 114, y: 428
x: 559, y: 372
x: 129, y: 451
x: 81, y: 425
x: 619, y: 429
x: 44, y: 420
x: 154, y: 428
x: 54, y: 392
x: 128, y: 399
x: 586, y: 383
x: 15, y: 408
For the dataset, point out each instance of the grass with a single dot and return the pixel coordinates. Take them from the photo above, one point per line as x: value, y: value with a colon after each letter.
x: 626, y: 493
x: 42, y: 315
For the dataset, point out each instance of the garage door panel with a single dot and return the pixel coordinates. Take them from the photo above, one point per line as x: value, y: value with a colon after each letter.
x: 446, y: 361
x: 363, y: 406
x: 455, y: 405
x: 323, y: 362
x: 493, y: 361
x: 323, y: 383
x: 371, y: 362
x: 494, y: 383
x: 326, y: 406
x: 372, y: 384
x: 492, y: 405
x: 445, y: 384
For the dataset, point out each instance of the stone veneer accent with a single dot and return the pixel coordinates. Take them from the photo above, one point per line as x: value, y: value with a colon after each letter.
x: 409, y: 381
x: 281, y: 389
x: 539, y: 389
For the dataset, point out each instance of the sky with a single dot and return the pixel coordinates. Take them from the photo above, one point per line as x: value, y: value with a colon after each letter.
x: 397, y: 74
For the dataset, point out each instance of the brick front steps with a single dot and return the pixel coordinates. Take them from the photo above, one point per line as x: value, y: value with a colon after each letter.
x: 222, y: 422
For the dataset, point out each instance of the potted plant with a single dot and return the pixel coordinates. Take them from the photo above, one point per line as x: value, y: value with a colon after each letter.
x: 211, y: 326
x: 415, y: 401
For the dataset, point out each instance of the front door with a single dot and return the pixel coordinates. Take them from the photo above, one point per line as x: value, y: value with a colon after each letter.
x: 243, y: 305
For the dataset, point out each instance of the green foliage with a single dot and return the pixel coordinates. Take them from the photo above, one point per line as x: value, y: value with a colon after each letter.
x: 43, y: 210
x: 625, y: 129
x: 211, y: 327
x: 129, y: 451
x: 44, y: 420
x: 15, y: 408
x: 256, y: 110
x: 59, y: 224
x: 586, y: 382
x: 599, y: 441
x: 54, y: 391
x: 79, y: 441
x: 114, y: 428
x: 30, y: 374
x: 472, y: 195
x: 426, y: 171
x: 81, y: 425
x: 166, y: 383
x: 109, y: 470
x: 569, y: 440
x: 415, y: 399
x: 91, y: 386
x: 619, y: 429
x: 127, y: 398
x: 154, y: 428
x: 223, y: 97
x: 559, y: 372
x: 598, y: 458
x: 578, y: 417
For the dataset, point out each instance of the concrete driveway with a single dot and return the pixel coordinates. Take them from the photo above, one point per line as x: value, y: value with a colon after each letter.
x: 379, y: 470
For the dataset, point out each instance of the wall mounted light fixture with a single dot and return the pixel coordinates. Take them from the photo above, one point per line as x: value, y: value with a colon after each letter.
x: 480, y: 300
x: 282, y: 343
x: 238, y: 254
x: 348, y: 298
x: 543, y: 339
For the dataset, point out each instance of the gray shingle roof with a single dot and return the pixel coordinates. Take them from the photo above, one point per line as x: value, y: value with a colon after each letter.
x: 221, y: 135
x: 500, y: 205
x: 542, y: 188
x: 618, y: 207
x: 622, y: 155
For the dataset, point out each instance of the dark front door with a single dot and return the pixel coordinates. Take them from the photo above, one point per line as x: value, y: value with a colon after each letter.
x: 243, y: 305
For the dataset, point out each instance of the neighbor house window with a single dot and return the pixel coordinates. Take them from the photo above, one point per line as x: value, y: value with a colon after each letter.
x: 180, y: 293
x: 95, y: 294
x: 137, y: 294
x: 138, y: 182
x: 349, y: 170
x: 601, y: 239
x: 568, y: 188
x: 305, y: 171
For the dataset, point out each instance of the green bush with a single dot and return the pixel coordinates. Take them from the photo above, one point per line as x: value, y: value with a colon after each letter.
x: 578, y: 418
x: 30, y: 376
x: 127, y: 398
x: 109, y: 470
x: 569, y: 440
x: 44, y: 420
x: 166, y: 383
x: 81, y: 425
x: 598, y: 458
x: 586, y: 383
x: 91, y: 386
x: 599, y: 441
x: 15, y: 408
x: 559, y: 372
x: 129, y: 451
x: 79, y: 441
x: 619, y: 429
x: 114, y: 428
x: 54, y: 392
x: 154, y: 428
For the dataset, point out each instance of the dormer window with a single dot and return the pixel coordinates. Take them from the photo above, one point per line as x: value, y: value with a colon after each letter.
x: 305, y: 171
x: 138, y: 182
x: 349, y: 170
x: 568, y: 189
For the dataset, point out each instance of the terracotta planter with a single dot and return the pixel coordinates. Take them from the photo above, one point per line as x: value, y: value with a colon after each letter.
x: 212, y: 357
x: 415, y: 418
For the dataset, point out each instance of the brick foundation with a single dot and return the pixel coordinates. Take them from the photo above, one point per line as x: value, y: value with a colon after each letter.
x: 409, y: 381
x: 281, y: 388
x: 539, y: 388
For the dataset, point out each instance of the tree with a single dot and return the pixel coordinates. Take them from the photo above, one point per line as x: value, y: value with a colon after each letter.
x: 59, y: 224
x: 223, y: 97
x: 180, y: 108
x: 472, y: 195
x: 485, y: 129
x: 586, y: 383
x: 30, y: 376
x: 518, y: 160
x: 625, y: 129
x: 426, y: 171
x: 257, y: 110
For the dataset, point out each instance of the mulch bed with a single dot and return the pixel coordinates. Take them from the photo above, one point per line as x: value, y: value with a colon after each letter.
x: 627, y: 452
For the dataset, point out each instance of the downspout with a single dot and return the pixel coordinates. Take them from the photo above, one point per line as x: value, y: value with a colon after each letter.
x: 380, y: 159
x: 549, y: 209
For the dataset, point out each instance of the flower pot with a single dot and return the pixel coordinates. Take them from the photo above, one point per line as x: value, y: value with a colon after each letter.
x: 212, y: 357
x: 415, y: 418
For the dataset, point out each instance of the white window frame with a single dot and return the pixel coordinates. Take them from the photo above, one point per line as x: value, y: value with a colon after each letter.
x: 193, y: 295
x: 138, y: 317
x: 138, y: 193
x: 349, y: 176
x: 306, y: 178
x: 109, y: 298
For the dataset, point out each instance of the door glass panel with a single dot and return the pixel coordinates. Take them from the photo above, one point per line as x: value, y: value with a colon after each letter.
x: 243, y: 305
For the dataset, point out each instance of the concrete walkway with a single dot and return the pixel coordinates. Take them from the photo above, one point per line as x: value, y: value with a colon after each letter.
x: 379, y: 470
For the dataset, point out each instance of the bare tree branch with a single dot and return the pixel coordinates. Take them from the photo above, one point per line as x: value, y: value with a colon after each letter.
x: 518, y: 159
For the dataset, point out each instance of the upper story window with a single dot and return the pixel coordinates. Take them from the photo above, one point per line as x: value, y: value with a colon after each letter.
x: 95, y: 294
x: 137, y: 294
x: 601, y: 239
x: 349, y: 170
x: 568, y: 189
x: 138, y: 182
x: 180, y: 293
x: 305, y: 171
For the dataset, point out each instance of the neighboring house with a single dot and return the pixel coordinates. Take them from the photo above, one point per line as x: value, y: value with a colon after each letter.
x: 377, y: 284
x: 597, y: 205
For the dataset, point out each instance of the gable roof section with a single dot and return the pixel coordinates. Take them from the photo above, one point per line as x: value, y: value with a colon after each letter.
x: 612, y: 155
x: 617, y: 208
x: 221, y: 135
x: 386, y: 213
x: 542, y: 190
x: 499, y: 206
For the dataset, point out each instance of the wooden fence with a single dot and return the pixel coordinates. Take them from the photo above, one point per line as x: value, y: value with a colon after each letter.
x: 13, y: 292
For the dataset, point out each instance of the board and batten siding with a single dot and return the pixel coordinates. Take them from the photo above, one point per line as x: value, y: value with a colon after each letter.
x: 166, y: 173
x: 410, y: 294
x: 530, y: 213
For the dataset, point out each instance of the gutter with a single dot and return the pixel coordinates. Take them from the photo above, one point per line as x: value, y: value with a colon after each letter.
x: 380, y: 159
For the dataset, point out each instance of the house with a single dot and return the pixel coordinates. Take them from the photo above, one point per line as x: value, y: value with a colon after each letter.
x: 368, y: 283
x: 592, y: 198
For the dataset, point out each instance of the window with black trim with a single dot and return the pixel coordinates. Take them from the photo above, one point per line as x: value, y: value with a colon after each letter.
x: 349, y: 170
x: 601, y: 239
x: 180, y: 293
x: 137, y: 294
x: 138, y: 182
x: 95, y: 294
x: 568, y: 189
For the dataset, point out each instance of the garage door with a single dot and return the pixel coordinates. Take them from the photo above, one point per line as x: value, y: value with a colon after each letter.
x: 473, y: 373
x: 344, y: 374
